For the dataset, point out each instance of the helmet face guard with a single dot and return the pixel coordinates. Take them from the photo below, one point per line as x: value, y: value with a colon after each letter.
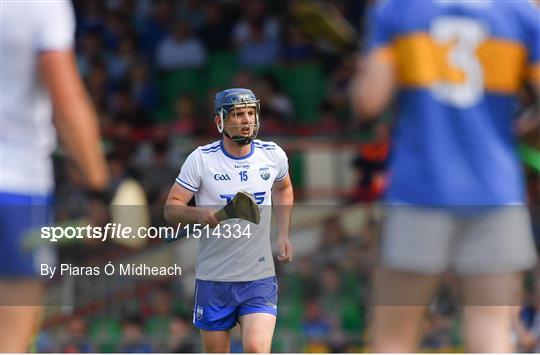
x: 227, y: 102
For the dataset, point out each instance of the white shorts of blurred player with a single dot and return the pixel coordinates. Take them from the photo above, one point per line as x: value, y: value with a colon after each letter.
x: 487, y: 248
x: 465, y: 240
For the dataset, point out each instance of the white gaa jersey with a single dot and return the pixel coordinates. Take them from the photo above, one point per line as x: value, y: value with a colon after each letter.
x: 215, y: 177
x: 27, y: 136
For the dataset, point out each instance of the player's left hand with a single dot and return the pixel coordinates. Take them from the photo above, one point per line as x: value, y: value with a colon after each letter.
x: 286, y: 250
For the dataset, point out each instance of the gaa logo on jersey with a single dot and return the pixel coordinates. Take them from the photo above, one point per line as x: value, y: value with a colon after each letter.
x: 199, y: 313
x: 265, y: 173
x: 222, y: 177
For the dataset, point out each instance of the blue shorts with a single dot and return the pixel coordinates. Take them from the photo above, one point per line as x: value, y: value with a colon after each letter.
x: 19, y: 215
x: 219, y: 305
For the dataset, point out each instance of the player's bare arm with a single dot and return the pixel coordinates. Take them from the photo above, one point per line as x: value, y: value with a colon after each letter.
x: 74, y: 117
x: 177, y: 210
x: 283, y: 200
x: 373, y: 85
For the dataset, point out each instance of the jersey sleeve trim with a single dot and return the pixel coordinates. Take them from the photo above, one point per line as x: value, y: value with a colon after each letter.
x: 282, y: 177
x: 186, y: 185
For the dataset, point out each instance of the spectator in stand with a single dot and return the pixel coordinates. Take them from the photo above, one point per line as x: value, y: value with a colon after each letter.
x: 97, y: 82
x: 181, y: 336
x: 257, y: 36
x: 329, y: 124
x: 154, y: 29
x: 296, y: 47
x: 121, y: 102
x: 77, y: 337
x: 122, y: 59
x: 277, y: 107
x: 185, y: 120
x: 157, y: 171
x: 243, y: 79
x: 180, y: 49
x: 316, y: 327
x: 273, y: 98
x: 143, y: 89
x: 334, y: 242
x: 339, y: 86
x: 331, y: 296
x: 45, y: 343
x: 258, y: 50
x: 133, y: 340
x: 90, y: 51
x: 368, y: 249
x: 216, y: 31
x: 303, y: 283
x: 125, y: 7
x: 90, y: 16
x: 158, y: 324
x: 125, y: 107
x: 370, y: 165
x: 117, y: 26
x: 190, y: 11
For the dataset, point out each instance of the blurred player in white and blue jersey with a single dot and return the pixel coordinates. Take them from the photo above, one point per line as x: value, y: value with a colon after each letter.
x: 236, y: 280
x: 38, y: 77
x: 456, y: 196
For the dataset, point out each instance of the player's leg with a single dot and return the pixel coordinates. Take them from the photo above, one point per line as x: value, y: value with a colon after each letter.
x: 216, y: 341
x: 415, y: 249
x: 21, y: 290
x: 257, y: 313
x: 257, y: 332
x: 487, y: 323
x: 495, y: 248
x: 215, y: 314
x: 400, y: 305
x: 19, y: 320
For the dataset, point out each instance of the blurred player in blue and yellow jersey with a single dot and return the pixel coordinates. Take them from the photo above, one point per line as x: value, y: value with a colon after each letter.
x: 456, y: 192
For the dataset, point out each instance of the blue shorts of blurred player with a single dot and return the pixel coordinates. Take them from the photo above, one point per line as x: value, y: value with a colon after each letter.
x: 20, y: 214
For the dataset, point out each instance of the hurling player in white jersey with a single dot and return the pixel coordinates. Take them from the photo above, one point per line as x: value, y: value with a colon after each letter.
x: 235, y: 276
x: 38, y: 76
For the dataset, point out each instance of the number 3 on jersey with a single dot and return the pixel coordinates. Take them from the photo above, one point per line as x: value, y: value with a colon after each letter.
x: 462, y: 83
x: 243, y: 175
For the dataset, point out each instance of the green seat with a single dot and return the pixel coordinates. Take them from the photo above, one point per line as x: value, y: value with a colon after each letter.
x: 182, y: 308
x: 290, y: 314
x: 176, y: 83
x: 306, y: 86
x: 106, y: 334
x: 220, y: 70
x: 352, y: 317
x: 158, y: 328
x: 296, y: 161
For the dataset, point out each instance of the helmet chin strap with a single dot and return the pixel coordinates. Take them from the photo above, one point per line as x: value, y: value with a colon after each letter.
x: 241, y: 140
x: 238, y: 139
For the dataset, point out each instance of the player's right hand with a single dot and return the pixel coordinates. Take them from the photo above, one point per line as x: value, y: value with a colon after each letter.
x: 286, y: 249
x: 208, y: 217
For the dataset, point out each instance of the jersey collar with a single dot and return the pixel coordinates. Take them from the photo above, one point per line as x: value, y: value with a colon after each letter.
x: 237, y: 158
